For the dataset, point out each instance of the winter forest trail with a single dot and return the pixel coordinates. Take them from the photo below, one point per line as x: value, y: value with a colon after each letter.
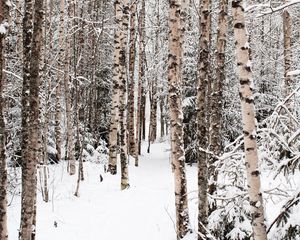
x: 144, y: 211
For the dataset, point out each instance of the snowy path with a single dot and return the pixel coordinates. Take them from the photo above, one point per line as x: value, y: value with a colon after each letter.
x: 102, y: 211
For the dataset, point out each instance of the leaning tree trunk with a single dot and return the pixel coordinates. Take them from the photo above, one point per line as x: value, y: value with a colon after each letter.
x: 217, y: 97
x: 30, y: 115
x: 4, y: 9
x: 176, y: 118
x: 248, y: 118
x: 202, y: 130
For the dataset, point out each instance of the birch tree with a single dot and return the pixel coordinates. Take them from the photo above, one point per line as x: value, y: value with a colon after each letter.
x: 248, y: 119
x: 59, y: 79
x: 32, y: 34
x: 202, y: 123
x: 122, y: 91
x: 176, y: 118
x: 140, y: 78
x: 67, y: 83
x: 217, y: 94
x: 131, y: 85
x: 287, y: 32
x: 4, y: 12
x: 117, y: 75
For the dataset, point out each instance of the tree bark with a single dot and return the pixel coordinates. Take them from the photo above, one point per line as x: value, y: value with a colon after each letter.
x: 130, y: 121
x: 67, y: 82
x: 248, y: 118
x: 140, y: 79
x: 202, y: 117
x: 217, y: 97
x: 122, y: 90
x: 4, y: 9
x: 287, y: 31
x: 176, y: 118
x: 59, y: 80
x: 30, y: 114
x: 117, y: 77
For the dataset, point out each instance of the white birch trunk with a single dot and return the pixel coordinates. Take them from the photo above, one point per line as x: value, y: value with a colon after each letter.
x: 248, y: 118
x: 176, y: 119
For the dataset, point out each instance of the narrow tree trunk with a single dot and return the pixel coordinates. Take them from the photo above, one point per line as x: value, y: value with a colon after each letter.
x: 122, y: 89
x: 117, y: 75
x: 217, y: 96
x: 162, y: 117
x: 58, y: 92
x: 18, y: 29
x: 153, y: 87
x: 287, y: 31
x: 140, y: 79
x: 248, y: 119
x: 67, y: 82
x: 176, y: 117
x: 131, y: 119
x: 3, y: 172
x: 30, y: 114
x: 202, y: 118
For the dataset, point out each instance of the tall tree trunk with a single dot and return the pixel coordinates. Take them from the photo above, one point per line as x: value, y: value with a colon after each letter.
x: 4, y: 9
x: 130, y: 121
x: 18, y: 22
x: 67, y: 82
x: 153, y: 88
x: 217, y: 96
x: 140, y: 78
x: 117, y: 77
x: 58, y: 92
x: 202, y: 118
x: 248, y: 119
x: 287, y: 31
x: 122, y: 89
x: 176, y: 118
x: 30, y: 114
x: 162, y: 114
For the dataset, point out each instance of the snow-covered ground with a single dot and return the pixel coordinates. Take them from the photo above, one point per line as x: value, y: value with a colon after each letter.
x: 144, y: 211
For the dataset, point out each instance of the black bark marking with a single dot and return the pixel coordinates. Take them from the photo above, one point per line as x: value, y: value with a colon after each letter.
x: 255, y: 173
x: 239, y: 25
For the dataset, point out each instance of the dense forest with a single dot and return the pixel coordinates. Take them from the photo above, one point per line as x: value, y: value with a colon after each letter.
x: 108, y: 88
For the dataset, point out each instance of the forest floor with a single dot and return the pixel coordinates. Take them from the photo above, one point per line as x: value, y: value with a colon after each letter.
x: 144, y: 211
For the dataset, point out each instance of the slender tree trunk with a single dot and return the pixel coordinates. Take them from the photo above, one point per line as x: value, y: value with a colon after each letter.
x: 30, y: 114
x: 131, y: 119
x: 217, y: 96
x: 153, y: 86
x: 202, y: 118
x: 140, y: 79
x: 117, y: 77
x: 162, y: 117
x: 287, y: 31
x: 176, y: 117
x: 58, y: 92
x: 4, y: 9
x: 18, y: 22
x: 122, y: 89
x: 248, y: 119
x: 143, y: 107
x: 67, y: 82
